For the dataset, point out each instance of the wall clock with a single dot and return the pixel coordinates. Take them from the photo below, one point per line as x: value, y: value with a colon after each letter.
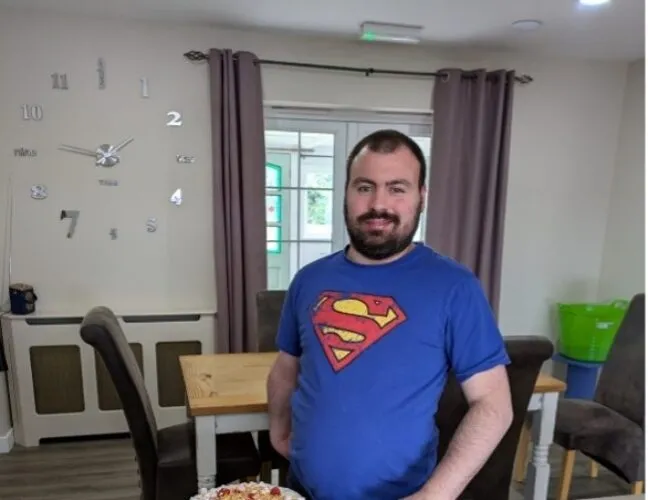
x: 105, y: 155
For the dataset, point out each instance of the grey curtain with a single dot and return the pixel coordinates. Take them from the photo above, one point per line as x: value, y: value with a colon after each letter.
x: 238, y: 156
x: 469, y: 171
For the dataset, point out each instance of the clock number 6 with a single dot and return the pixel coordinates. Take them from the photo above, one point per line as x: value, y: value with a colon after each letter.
x: 175, y: 119
x: 34, y: 112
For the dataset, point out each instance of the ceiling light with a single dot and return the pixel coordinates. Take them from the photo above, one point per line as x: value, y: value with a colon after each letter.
x: 593, y: 3
x: 527, y: 24
x: 395, y: 33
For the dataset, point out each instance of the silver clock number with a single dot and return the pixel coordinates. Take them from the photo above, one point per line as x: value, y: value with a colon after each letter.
x: 175, y: 119
x: 32, y: 112
x: 73, y: 215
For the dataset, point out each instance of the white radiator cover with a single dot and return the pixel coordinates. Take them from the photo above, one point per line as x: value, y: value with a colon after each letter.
x: 22, y: 333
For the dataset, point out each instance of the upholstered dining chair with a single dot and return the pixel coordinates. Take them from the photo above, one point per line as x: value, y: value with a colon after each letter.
x: 610, y: 428
x: 493, y: 481
x: 269, y: 305
x: 166, y: 457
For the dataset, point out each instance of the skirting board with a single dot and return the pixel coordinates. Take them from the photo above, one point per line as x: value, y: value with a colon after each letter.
x: 6, y: 442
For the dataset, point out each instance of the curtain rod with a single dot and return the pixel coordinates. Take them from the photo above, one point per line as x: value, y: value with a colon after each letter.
x: 197, y: 56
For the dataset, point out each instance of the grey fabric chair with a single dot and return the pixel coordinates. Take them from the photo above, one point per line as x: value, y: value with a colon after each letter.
x: 610, y: 429
x: 166, y: 457
x: 269, y: 305
x: 493, y: 481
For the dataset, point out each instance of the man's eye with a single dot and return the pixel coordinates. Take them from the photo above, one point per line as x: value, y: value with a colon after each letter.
x: 398, y: 190
x: 364, y: 189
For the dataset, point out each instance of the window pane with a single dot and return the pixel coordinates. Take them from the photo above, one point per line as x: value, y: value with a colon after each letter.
x: 273, y: 208
x: 282, y: 140
x: 309, y: 252
x: 273, y: 237
x: 283, y: 266
x: 316, y: 171
x: 317, y: 215
x: 318, y: 143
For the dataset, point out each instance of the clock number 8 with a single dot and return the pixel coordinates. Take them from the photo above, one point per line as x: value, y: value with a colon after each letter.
x: 34, y: 112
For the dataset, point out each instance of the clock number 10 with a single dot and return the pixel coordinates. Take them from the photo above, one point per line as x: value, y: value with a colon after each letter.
x: 32, y: 112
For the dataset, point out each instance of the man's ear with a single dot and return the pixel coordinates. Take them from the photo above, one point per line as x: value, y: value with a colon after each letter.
x: 423, y: 196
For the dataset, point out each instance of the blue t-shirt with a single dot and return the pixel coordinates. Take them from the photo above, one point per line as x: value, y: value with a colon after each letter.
x: 375, y: 344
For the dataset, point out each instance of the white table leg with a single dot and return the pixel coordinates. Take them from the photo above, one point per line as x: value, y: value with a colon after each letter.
x: 542, y: 434
x: 206, y: 451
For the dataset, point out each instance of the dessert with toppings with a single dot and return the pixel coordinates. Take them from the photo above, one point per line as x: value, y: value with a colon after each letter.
x: 247, y: 491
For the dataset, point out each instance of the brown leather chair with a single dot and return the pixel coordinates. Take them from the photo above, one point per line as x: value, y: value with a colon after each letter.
x: 166, y: 457
x: 269, y: 305
x: 493, y: 481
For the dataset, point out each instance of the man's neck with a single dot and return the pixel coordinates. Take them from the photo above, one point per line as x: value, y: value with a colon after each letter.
x: 355, y: 256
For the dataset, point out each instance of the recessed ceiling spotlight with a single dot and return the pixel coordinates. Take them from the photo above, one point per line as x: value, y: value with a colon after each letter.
x: 527, y: 24
x: 593, y: 3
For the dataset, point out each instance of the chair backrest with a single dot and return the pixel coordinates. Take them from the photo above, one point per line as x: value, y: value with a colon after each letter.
x: 493, y: 481
x: 269, y: 305
x: 622, y: 385
x: 100, y: 329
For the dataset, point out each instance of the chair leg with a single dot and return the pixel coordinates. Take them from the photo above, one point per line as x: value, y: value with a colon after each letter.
x: 637, y: 488
x: 266, y: 472
x: 522, y: 455
x: 594, y: 469
x: 566, y: 476
x: 283, y: 476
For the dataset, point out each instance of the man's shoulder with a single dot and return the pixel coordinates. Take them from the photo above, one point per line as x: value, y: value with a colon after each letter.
x: 442, y: 268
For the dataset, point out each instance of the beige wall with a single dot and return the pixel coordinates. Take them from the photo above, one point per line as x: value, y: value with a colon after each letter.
x: 566, y: 128
x: 624, y: 253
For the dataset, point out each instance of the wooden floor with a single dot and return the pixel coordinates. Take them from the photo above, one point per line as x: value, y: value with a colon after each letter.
x: 106, y: 470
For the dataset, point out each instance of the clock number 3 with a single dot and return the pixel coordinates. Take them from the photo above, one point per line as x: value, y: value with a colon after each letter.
x: 175, y: 119
x: 32, y: 112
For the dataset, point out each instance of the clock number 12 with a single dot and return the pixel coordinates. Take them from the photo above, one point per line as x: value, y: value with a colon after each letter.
x: 32, y: 112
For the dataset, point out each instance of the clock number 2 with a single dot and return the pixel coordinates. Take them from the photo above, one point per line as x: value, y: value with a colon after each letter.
x: 33, y: 112
x: 175, y: 119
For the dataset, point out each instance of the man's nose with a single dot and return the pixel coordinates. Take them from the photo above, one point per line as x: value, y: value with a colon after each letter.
x: 379, y: 199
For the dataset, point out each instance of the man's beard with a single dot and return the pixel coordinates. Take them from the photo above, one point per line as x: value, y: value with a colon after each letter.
x: 379, y: 244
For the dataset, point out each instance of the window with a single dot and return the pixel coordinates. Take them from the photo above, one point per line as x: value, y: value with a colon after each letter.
x: 305, y: 174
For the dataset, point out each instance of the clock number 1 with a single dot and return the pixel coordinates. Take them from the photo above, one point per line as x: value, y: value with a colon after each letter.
x: 175, y: 119
x: 33, y: 112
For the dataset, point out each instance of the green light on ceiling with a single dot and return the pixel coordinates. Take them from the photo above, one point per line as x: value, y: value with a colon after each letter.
x: 369, y: 36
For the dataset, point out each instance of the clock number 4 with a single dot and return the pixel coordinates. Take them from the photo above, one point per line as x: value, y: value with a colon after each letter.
x: 32, y: 112
x: 175, y: 119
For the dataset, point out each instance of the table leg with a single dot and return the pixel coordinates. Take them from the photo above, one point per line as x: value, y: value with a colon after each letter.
x: 542, y: 434
x: 206, y: 451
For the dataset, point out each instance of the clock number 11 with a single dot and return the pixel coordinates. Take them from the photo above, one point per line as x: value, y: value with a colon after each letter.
x: 32, y: 112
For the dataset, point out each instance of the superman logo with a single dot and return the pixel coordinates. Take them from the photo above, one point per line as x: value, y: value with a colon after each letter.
x: 348, y: 324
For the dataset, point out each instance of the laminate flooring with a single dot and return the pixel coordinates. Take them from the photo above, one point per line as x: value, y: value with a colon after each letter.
x: 106, y: 470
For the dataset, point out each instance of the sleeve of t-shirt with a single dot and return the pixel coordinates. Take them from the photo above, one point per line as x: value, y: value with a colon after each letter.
x: 288, y: 333
x: 474, y: 341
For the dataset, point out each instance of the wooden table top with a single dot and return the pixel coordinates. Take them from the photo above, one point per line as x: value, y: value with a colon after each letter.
x: 236, y: 383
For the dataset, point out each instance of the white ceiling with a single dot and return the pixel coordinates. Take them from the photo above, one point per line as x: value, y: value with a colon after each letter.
x: 615, y: 31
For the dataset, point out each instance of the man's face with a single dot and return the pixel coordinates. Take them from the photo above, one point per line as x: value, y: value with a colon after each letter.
x: 383, y: 202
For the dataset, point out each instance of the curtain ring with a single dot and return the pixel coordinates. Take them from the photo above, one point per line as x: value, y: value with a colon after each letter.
x: 445, y: 77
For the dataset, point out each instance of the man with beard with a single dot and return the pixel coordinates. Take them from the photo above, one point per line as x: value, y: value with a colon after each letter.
x: 366, y: 339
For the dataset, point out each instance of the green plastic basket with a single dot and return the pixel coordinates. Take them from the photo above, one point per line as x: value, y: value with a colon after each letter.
x: 588, y: 330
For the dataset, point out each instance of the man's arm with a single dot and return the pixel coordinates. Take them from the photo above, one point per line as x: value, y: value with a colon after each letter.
x: 489, y: 416
x: 281, y: 384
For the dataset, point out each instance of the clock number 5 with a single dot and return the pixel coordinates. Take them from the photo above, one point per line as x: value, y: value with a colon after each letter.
x: 175, y: 119
x: 33, y: 112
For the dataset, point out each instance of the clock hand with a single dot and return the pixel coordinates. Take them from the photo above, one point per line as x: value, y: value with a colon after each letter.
x: 81, y: 151
x: 122, y: 144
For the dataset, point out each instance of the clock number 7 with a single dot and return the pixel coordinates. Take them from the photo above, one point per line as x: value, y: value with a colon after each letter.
x: 73, y: 215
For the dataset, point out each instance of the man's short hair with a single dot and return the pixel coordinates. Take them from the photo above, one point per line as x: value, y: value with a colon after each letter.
x: 387, y: 141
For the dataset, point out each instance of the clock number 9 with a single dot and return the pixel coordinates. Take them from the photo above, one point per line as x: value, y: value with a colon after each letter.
x: 34, y: 112
x: 175, y: 119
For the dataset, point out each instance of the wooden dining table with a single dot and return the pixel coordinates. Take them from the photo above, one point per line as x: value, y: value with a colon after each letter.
x: 227, y: 393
